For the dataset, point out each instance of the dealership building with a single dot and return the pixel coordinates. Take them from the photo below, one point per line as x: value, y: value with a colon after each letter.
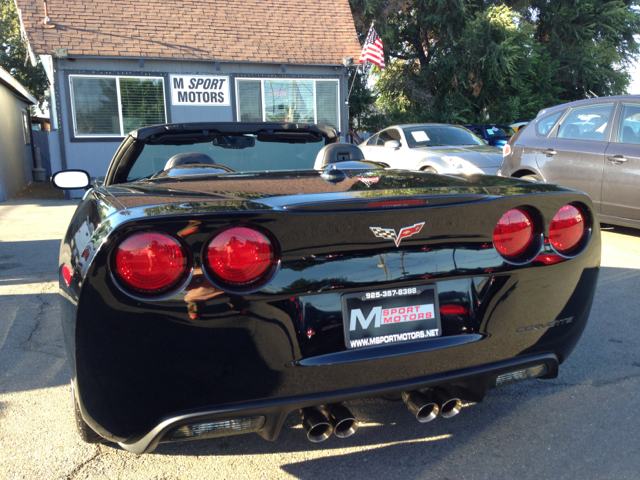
x: 118, y: 65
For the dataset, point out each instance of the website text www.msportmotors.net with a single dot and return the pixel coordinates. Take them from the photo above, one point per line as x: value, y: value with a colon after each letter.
x: 396, y: 337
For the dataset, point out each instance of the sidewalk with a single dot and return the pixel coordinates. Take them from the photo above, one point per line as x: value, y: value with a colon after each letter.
x: 38, y: 191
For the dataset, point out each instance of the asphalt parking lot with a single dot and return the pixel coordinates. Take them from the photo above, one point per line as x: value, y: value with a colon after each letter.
x: 583, y: 424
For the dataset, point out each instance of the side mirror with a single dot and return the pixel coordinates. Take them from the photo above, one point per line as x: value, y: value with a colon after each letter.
x: 70, y: 179
x: 392, y: 144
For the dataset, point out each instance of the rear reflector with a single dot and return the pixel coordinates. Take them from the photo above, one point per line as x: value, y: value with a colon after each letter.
x: 219, y: 429
x: 453, y: 309
x: 513, y: 233
x: 67, y: 274
x: 520, y: 375
x: 567, y: 229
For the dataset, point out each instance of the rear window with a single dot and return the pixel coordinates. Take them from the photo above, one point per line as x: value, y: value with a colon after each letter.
x: 500, y: 132
x: 546, y: 124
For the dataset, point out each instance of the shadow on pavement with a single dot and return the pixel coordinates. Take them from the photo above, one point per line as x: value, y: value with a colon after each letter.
x: 632, y: 232
x: 25, y: 262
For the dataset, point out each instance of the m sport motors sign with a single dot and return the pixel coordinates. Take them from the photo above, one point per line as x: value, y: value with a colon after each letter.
x: 212, y: 90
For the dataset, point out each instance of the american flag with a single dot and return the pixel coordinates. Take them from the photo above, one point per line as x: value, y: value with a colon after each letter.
x: 372, y: 49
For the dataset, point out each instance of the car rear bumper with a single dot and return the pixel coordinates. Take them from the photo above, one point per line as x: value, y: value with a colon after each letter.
x: 469, y: 383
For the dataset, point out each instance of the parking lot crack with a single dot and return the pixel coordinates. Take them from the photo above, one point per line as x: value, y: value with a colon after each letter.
x: 78, y: 468
x: 43, y: 305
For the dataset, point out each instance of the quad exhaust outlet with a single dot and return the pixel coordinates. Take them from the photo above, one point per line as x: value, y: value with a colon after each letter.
x: 321, y: 422
x: 316, y: 424
x: 421, y: 405
x: 426, y: 404
x: 342, y: 420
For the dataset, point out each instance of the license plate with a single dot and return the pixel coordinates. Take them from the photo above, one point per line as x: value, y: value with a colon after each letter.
x: 394, y: 315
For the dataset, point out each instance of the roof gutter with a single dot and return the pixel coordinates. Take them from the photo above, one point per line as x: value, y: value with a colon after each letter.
x: 16, y: 87
x: 208, y: 60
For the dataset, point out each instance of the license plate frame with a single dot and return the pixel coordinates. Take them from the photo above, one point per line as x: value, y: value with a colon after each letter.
x: 367, y: 328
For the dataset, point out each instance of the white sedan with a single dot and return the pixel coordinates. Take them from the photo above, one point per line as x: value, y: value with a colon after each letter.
x: 433, y: 148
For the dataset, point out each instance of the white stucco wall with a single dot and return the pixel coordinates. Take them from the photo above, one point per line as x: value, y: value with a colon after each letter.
x: 15, y: 156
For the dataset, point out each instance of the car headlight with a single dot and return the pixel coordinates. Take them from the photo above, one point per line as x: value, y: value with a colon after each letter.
x: 460, y: 164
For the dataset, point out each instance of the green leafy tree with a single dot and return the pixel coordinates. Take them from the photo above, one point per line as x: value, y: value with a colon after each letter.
x: 460, y: 61
x: 13, y: 53
x: 361, y: 98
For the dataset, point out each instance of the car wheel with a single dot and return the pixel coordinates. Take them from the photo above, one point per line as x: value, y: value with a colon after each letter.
x: 87, y: 434
x: 428, y: 169
x: 532, y: 178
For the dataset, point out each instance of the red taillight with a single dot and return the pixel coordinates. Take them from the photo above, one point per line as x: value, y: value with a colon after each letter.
x: 67, y: 274
x: 567, y: 229
x: 513, y: 233
x: 150, y: 263
x: 240, y: 256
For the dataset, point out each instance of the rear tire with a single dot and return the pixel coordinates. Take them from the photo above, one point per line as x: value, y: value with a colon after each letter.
x: 532, y: 178
x: 87, y: 434
x: 428, y: 169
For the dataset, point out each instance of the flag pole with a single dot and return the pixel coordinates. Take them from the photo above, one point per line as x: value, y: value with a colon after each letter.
x: 355, y: 74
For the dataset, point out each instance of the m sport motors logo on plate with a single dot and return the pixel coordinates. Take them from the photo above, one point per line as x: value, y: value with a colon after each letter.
x: 390, y: 316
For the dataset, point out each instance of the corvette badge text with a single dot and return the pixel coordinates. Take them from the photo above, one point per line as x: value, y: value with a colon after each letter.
x: 199, y: 90
x: 541, y: 326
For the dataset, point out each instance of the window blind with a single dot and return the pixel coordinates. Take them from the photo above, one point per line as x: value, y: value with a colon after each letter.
x: 95, y: 104
x: 142, y: 103
x: 249, y: 101
x: 327, y: 103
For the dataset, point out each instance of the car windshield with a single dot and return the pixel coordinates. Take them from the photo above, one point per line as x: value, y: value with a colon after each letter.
x: 244, y: 154
x: 438, y: 135
x: 499, y: 131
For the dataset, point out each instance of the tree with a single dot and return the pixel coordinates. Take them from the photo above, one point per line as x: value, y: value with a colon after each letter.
x: 14, y: 56
x: 361, y: 98
x: 459, y: 61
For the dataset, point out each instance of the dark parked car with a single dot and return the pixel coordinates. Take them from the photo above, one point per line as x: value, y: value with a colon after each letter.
x: 434, y: 148
x: 224, y: 283
x: 590, y: 145
x: 494, y: 135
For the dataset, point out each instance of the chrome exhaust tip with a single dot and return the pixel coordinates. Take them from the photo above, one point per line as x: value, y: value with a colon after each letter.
x: 449, y: 406
x: 316, y: 424
x: 421, y: 405
x: 344, y: 423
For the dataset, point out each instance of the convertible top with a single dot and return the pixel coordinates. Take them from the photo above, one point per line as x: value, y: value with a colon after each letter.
x: 191, y: 133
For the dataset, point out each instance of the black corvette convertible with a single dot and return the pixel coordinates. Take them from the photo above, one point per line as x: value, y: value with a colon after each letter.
x: 224, y: 275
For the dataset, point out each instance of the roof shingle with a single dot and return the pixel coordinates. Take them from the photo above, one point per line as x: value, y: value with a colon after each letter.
x: 287, y: 31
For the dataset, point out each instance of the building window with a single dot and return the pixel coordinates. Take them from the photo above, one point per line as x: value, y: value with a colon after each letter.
x: 288, y: 100
x: 106, y: 106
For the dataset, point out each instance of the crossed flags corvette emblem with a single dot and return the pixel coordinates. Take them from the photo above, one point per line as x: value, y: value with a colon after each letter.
x: 390, y: 233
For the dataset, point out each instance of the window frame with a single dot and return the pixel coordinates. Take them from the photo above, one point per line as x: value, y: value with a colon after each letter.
x: 552, y: 130
x: 315, y: 97
x: 619, y: 122
x: 72, y: 104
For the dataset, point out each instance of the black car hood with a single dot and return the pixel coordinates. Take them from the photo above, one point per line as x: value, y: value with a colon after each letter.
x: 281, y: 189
